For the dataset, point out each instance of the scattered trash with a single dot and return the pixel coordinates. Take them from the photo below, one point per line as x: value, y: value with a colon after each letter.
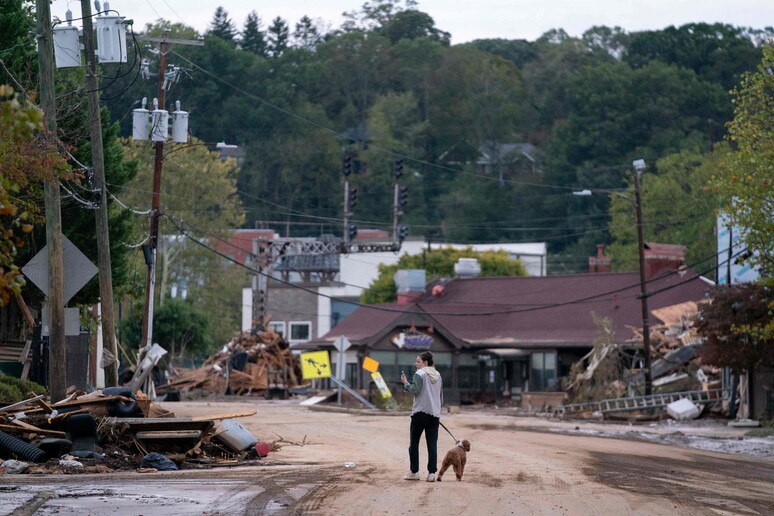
x: 70, y: 463
x: 683, y: 409
x: 83, y: 454
x: 235, y: 436
x: 15, y: 466
x: 262, y: 449
x: 349, y: 465
x: 158, y: 461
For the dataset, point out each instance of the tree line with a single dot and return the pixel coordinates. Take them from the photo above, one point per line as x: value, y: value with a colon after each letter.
x: 388, y: 84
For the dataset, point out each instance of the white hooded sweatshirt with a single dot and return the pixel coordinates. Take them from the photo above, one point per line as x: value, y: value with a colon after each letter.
x: 427, y: 388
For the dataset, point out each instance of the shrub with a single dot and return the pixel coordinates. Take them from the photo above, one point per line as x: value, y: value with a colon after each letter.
x: 24, y: 386
x: 9, y: 393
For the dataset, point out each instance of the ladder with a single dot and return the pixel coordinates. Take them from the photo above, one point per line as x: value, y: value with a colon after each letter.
x: 644, y: 402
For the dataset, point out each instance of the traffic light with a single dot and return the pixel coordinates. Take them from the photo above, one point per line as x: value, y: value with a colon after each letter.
x: 352, y: 231
x: 397, y: 168
x: 403, y: 197
x: 352, y: 197
x: 346, y: 165
x: 402, y: 232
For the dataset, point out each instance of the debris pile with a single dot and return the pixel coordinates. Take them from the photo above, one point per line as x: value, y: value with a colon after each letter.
x: 251, y: 364
x: 611, y: 373
x: 114, y: 429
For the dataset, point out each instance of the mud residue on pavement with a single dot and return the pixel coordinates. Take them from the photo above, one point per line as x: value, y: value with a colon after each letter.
x: 738, y: 484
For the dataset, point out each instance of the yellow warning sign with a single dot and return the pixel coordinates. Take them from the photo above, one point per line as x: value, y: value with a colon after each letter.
x: 381, y: 385
x: 370, y: 365
x: 315, y: 364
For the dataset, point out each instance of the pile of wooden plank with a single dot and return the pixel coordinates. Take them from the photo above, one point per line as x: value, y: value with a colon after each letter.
x: 85, y: 427
x: 251, y: 363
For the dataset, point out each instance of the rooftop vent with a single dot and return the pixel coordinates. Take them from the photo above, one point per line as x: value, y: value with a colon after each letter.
x: 467, y: 268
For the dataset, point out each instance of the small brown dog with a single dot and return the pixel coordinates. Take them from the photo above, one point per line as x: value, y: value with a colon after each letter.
x: 455, y: 458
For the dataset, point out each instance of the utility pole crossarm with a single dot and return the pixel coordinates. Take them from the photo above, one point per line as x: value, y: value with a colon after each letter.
x: 171, y: 41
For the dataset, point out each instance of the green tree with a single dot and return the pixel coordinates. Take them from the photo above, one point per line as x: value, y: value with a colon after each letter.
x: 413, y: 24
x: 677, y: 208
x: 222, y: 26
x: 375, y: 14
x: 198, y: 192
x: 17, y: 44
x: 438, y: 264
x: 745, y: 180
x: 306, y: 35
x: 716, y: 52
x: 473, y: 97
x: 519, y: 51
x: 253, y: 38
x: 278, y: 35
x: 182, y: 329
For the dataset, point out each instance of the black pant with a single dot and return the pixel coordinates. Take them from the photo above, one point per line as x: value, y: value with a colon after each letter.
x: 421, y: 422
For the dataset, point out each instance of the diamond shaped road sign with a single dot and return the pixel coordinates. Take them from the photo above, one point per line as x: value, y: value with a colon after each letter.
x: 342, y: 343
x: 78, y: 269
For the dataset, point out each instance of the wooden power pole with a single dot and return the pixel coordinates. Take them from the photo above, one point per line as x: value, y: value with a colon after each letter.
x: 103, y: 233
x: 57, y: 358
x: 147, y: 319
x: 150, y: 280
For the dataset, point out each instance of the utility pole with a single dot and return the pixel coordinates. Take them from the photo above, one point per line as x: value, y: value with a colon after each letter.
x: 57, y: 350
x: 150, y: 283
x: 639, y: 167
x: 150, y: 280
x: 103, y: 233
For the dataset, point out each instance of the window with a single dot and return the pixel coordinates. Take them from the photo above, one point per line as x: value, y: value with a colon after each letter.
x: 300, y: 331
x: 543, y: 371
x: 277, y: 327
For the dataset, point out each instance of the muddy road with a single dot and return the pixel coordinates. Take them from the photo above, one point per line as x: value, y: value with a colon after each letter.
x: 516, y: 466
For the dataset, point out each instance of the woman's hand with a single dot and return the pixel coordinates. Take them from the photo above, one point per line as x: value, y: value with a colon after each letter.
x: 403, y: 379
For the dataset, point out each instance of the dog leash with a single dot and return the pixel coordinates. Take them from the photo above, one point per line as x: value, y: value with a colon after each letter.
x: 451, y: 434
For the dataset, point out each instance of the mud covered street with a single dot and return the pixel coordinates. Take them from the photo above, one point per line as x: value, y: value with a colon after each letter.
x: 516, y: 466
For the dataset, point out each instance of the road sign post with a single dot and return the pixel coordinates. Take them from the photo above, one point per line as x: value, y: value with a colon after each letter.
x: 341, y: 344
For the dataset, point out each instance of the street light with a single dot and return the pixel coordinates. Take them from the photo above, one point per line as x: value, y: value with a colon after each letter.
x: 639, y: 168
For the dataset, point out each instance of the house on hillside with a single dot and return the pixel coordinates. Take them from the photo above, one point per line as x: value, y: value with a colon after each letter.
x: 509, y: 159
x: 503, y: 336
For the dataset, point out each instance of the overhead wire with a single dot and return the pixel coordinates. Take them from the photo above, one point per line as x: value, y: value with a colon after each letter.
x: 692, y: 277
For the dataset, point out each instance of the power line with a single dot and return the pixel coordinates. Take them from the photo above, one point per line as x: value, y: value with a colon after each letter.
x: 478, y: 314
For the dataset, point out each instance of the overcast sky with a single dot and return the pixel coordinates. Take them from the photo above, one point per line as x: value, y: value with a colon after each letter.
x: 466, y: 20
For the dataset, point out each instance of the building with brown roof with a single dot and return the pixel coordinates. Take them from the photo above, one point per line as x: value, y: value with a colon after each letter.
x: 507, y: 335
